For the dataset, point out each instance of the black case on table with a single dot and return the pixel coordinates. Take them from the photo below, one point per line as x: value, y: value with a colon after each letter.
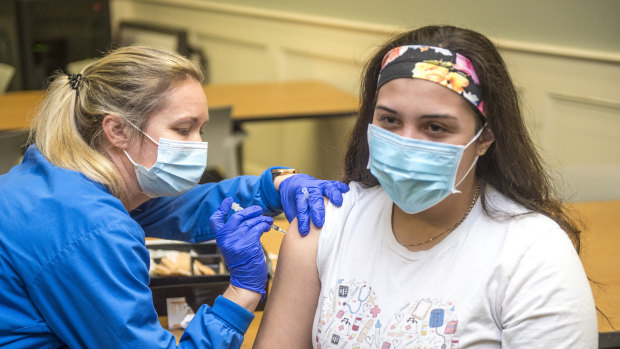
x: 197, y: 290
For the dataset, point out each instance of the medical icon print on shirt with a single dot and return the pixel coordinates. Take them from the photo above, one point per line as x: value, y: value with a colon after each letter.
x: 352, y: 317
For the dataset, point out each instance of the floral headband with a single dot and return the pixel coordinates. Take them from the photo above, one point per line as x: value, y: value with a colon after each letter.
x: 435, y: 64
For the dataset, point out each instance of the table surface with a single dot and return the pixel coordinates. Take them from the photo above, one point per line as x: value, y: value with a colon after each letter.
x: 259, y: 101
x: 17, y: 109
x: 600, y: 257
x: 264, y: 101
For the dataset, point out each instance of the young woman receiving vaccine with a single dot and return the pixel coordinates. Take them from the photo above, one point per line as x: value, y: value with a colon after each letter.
x: 451, y: 236
x: 116, y: 157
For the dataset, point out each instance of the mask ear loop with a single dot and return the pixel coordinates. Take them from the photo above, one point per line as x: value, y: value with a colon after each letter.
x: 130, y: 159
x: 147, y: 136
x: 368, y: 131
x: 473, y: 163
x: 139, y: 130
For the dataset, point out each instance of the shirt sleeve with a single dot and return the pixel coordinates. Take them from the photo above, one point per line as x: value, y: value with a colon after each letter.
x: 548, y: 302
x: 222, y: 326
x: 95, y: 294
x: 186, y: 217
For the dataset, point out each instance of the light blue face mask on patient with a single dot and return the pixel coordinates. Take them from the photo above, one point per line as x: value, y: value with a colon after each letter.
x: 179, y: 167
x: 416, y: 174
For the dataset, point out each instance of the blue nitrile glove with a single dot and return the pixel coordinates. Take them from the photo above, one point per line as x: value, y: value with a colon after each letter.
x: 239, y: 242
x: 308, y: 204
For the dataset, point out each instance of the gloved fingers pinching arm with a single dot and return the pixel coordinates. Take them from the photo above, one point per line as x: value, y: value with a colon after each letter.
x: 292, y: 197
x: 334, y: 190
x: 310, y: 206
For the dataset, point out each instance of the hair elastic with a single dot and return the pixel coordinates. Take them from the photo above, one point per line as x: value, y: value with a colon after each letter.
x: 434, y: 64
x: 75, y: 80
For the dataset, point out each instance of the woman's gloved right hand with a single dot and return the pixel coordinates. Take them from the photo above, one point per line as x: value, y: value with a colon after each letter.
x: 239, y: 243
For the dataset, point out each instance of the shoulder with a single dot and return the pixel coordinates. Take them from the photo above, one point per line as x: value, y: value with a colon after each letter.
x: 545, y: 284
x: 47, y: 210
x: 357, y: 198
x: 531, y: 241
x: 517, y: 219
x: 360, y: 192
x: 500, y: 204
x: 539, y: 278
x: 335, y: 216
x: 522, y: 234
x: 357, y: 219
x: 45, y: 193
x: 308, y: 248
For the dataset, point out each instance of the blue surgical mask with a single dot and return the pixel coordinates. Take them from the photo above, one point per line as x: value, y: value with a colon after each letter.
x: 416, y: 174
x: 179, y: 167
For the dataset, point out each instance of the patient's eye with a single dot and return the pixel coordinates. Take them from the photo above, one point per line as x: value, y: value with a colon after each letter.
x: 388, y: 119
x: 434, y: 127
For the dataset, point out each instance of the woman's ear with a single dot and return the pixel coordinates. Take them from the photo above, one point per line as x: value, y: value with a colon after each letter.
x: 487, y: 137
x: 115, y: 131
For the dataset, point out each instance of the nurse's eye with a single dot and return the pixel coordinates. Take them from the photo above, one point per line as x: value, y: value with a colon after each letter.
x: 183, y: 131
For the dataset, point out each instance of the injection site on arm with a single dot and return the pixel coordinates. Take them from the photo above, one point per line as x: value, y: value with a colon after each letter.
x: 236, y: 207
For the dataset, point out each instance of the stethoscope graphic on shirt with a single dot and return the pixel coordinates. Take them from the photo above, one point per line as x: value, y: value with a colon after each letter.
x: 361, y: 299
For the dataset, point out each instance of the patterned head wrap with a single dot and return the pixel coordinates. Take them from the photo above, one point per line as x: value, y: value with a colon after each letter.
x: 435, y: 64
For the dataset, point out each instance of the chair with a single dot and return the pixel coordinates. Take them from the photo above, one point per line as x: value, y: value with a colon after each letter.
x: 11, y: 142
x: 609, y: 340
x: 6, y: 74
x: 224, y: 143
x: 12, y: 145
x: 164, y: 37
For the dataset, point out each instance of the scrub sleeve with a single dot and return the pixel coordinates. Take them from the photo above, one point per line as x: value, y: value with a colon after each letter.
x: 186, y: 217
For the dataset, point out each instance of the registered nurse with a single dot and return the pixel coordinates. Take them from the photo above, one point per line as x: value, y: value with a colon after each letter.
x: 116, y: 157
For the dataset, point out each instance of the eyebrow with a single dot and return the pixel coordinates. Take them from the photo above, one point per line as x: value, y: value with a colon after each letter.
x: 425, y: 116
x: 191, y: 119
x: 390, y: 110
x: 438, y: 116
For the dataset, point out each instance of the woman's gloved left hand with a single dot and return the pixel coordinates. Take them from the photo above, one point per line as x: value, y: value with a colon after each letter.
x: 239, y: 242
x: 302, y: 197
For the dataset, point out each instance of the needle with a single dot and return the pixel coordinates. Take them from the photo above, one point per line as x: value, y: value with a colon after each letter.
x: 236, y: 207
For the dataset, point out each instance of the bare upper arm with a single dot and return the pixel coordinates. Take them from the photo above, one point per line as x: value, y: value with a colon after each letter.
x: 289, y: 313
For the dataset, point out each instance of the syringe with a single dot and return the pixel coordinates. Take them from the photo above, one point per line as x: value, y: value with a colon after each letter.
x: 236, y: 207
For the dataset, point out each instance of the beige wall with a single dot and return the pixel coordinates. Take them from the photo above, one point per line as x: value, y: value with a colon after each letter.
x: 564, y: 57
x: 577, y: 23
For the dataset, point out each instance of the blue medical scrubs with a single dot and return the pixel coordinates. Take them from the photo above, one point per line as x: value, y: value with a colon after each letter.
x: 74, y: 265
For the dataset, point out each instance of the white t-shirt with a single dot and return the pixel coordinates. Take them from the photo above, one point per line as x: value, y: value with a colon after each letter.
x: 491, y: 283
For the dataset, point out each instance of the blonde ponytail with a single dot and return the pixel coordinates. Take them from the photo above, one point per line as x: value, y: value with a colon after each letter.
x: 130, y: 82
